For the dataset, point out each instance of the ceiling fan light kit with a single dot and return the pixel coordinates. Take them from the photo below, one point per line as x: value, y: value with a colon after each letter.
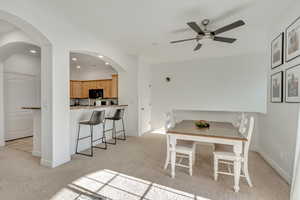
x: 211, y: 35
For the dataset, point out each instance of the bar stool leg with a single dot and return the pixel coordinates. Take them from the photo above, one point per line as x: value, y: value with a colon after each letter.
x: 77, y: 139
x: 91, y: 129
x: 113, y: 134
x: 103, y: 139
x: 123, y: 129
x: 114, y: 131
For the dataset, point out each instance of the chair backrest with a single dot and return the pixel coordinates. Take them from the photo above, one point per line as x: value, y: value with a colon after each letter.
x: 170, y: 121
x: 119, y: 113
x: 97, y: 117
x: 250, y: 129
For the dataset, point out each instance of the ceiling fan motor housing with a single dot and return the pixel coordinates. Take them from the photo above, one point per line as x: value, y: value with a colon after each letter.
x: 205, y: 22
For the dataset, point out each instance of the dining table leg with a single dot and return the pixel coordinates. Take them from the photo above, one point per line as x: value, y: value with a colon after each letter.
x: 173, y: 155
x: 237, y: 149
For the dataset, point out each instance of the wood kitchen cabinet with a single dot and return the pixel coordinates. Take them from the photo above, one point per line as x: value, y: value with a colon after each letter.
x: 80, y: 89
x: 85, y: 89
x: 114, y: 86
x: 76, y: 89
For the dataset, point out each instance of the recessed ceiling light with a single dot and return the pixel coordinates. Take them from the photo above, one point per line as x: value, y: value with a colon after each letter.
x: 33, y: 51
x: 100, y: 56
x: 106, y: 63
x: 74, y: 59
x: 78, y: 66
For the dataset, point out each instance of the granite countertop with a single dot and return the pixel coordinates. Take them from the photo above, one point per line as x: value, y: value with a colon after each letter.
x: 94, y: 107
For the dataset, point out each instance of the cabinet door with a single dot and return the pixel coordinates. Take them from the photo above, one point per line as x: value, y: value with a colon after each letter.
x: 71, y: 90
x: 76, y: 89
x: 114, y: 86
x: 92, y: 85
x: 107, y: 88
x: 85, y: 89
x: 99, y: 84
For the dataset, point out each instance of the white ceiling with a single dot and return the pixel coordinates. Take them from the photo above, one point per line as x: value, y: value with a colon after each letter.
x: 6, y: 27
x: 145, y: 27
x: 89, y: 62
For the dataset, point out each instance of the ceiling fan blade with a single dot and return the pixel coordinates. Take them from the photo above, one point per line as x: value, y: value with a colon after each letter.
x: 224, y: 39
x: 198, y: 47
x: 195, y: 27
x: 229, y: 27
x: 177, y: 41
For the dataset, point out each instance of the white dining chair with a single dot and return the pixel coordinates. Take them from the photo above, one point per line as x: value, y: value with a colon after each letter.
x: 183, y: 149
x: 224, y: 154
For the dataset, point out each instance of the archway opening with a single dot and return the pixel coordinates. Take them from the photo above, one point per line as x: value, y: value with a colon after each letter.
x: 22, y: 38
x: 94, y: 85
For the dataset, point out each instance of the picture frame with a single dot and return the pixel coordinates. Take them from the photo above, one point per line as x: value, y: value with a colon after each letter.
x: 292, y: 33
x: 277, y: 51
x: 292, y: 84
x: 276, y: 92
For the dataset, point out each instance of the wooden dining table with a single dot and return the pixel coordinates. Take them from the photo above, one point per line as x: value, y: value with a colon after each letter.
x: 217, y: 133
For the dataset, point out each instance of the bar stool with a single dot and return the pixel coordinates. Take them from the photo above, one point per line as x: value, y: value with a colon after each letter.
x: 118, y: 115
x: 98, y: 117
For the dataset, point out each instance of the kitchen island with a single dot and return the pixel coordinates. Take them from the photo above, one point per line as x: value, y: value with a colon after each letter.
x: 80, y: 113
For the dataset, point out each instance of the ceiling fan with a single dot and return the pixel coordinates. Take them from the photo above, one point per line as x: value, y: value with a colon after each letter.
x: 207, y: 34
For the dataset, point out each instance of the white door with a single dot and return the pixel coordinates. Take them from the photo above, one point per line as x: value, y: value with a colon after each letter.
x: 144, y: 99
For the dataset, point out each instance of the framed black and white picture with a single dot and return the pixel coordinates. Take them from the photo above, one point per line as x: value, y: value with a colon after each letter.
x: 277, y: 47
x: 277, y: 87
x: 293, y: 40
x: 292, y: 85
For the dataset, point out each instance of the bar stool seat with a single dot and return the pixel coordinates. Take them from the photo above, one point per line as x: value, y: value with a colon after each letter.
x: 88, y: 123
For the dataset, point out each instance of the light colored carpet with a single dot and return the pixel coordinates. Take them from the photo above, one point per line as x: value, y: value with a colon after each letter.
x: 133, y: 169
x: 24, y: 144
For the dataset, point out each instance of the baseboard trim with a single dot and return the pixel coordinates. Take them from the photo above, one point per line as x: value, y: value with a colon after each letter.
x: 36, y: 153
x: 46, y: 163
x: 275, y: 166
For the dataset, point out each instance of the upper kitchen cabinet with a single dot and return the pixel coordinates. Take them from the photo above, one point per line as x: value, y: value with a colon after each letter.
x: 80, y: 89
x: 114, y: 86
x: 76, y: 89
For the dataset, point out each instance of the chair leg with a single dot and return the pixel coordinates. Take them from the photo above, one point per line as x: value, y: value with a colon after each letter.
x: 246, y: 172
x: 191, y: 164
x: 113, y: 134
x: 123, y: 129
x: 103, y: 139
x: 92, y: 152
x: 114, y: 131
x: 194, y: 154
x: 104, y: 136
x: 77, y: 139
x: 216, y: 163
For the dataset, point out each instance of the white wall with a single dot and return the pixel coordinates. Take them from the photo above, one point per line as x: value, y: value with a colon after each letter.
x: 2, y: 128
x: 279, y: 127
x: 91, y: 73
x: 22, y: 87
x: 235, y: 84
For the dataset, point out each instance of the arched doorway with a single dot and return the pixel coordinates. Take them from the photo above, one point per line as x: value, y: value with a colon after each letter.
x: 94, y: 84
x: 46, y: 81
